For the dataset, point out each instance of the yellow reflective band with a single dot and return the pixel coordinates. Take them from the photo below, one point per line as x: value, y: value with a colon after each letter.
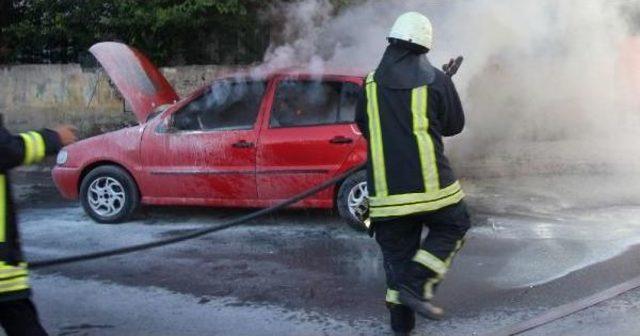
x: 4, y: 268
x: 420, y: 110
x: 14, y: 285
x: 370, y: 77
x: 40, y: 147
x: 402, y: 210
x: 404, y: 199
x: 3, y: 210
x: 29, y: 154
x: 428, y: 287
x: 431, y: 262
x: 8, y: 278
x: 13, y: 278
x: 13, y: 272
x: 392, y: 296
x: 375, y: 140
x: 15, y: 288
x: 430, y: 284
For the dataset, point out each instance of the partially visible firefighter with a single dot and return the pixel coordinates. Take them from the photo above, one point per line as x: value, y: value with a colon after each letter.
x: 406, y: 108
x: 18, y: 315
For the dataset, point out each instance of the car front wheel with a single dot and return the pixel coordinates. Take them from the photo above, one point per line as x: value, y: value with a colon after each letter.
x: 353, y: 200
x: 109, y: 195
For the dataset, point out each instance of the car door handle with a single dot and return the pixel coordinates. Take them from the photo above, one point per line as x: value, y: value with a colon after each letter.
x: 243, y: 144
x: 341, y: 140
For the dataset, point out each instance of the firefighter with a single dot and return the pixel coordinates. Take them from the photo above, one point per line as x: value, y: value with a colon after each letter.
x: 406, y: 108
x: 18, y: 315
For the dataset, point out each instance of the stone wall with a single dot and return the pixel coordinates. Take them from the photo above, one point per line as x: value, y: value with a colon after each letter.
x: 33, y: 96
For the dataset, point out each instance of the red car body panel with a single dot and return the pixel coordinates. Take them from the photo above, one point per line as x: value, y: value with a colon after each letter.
x: 292, y: 160
x: 141, y: 84
x: 208, y: 167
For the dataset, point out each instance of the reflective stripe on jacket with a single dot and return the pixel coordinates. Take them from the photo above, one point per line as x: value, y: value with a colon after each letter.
x: 408, y: 172
x: 24, y: 149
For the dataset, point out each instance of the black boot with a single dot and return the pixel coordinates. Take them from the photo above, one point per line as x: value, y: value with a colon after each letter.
x: 403, y: 319
x: 420, y: 305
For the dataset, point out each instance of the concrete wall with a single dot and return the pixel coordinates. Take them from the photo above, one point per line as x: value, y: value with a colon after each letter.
x: 34, y: 96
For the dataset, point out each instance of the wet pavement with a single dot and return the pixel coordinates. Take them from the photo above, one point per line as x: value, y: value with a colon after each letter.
x: 307, y: 273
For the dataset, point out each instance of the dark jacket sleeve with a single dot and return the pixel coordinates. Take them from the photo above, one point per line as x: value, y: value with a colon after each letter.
x: 452, y: 118
x: 26, y: 148
x: 361, y: 113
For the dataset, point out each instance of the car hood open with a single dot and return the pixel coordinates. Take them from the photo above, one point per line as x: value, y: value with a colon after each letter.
x: 139, y: 81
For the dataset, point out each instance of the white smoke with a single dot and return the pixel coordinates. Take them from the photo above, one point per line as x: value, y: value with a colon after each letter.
x: 299, y: 26
x: 541, y: 82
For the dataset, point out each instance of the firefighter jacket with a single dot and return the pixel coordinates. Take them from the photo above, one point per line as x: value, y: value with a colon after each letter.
x: 23, y: 149
x: 408, y: 172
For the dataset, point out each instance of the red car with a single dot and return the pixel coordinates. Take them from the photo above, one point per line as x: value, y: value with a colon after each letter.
x: 244, y: 141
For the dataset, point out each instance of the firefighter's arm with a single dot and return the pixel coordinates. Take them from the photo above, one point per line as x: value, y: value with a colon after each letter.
x: 453, y: 117
x: 26, y: 148
x: 361, y: 114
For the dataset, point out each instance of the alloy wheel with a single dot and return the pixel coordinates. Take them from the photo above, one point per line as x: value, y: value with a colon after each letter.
x: 358, y: 201
x: 106, y: 196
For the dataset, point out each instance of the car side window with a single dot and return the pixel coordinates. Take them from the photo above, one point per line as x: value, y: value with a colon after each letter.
x: 306, y: 103
x: 226, y: 105
x: 350, y: 94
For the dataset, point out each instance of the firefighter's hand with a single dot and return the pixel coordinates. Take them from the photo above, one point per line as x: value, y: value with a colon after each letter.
x: 67, y: 134
x: 452, y: 67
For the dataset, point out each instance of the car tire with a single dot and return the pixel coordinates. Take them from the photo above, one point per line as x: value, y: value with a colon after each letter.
x: 353, y: 200
x: 109, y: 195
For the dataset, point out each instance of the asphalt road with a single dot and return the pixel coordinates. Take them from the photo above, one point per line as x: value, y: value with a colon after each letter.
x: 306, y: 273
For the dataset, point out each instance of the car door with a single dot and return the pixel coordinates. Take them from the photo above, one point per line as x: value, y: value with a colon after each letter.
x: 205, y: 152
x: 307, y: 135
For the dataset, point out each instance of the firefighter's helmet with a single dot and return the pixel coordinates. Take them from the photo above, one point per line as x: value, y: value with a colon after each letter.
x: 413, y: 27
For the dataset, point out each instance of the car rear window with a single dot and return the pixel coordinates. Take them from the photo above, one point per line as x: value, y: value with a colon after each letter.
x: 350, y: 94
x: 309, y: 103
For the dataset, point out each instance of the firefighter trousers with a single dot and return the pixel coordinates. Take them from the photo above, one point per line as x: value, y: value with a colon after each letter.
x: 20, y: 318
x: 416, y: 264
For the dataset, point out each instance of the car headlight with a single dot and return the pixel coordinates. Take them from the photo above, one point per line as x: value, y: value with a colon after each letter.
x: 63, y: 155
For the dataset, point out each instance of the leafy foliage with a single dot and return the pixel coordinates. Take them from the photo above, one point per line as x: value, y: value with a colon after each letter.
x: 187, y: 31
x: 169, y: 31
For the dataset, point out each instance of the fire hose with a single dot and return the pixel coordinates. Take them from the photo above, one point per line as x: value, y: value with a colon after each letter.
x: 196, y: 233
x: 567, y: 309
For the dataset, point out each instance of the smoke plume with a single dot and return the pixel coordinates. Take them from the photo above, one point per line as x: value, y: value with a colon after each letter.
x: 545, y: 83
x: 550, y: 87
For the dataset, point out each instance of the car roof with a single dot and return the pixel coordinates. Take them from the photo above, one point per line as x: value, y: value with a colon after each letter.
x: 353, y: 72
x: 251, y: 74
x: 259, y: 74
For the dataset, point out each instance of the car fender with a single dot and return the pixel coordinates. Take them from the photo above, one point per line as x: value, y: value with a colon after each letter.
x: 119, y: 147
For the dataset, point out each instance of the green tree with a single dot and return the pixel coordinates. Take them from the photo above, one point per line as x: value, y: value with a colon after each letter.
x: 61, y: 30
x: 169, y: 31
x: 5, y: 15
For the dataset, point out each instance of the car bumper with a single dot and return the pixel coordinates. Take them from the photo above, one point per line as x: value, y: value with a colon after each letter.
x: 66, y: 180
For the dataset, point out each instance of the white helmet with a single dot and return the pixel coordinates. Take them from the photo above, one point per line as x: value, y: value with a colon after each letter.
x: 413, y: 27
